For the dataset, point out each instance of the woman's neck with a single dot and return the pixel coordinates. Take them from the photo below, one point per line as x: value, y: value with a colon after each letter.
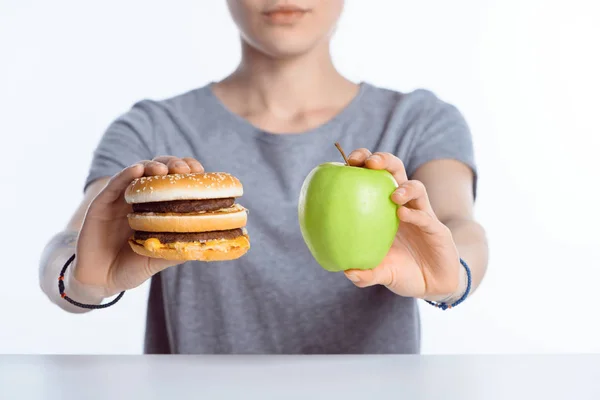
x: 285, y: 87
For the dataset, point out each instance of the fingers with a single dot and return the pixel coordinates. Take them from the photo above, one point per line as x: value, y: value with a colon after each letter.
x: 389, y: 162
x: 194, y: 164
x: 425, y: 221
x: 163, y: 165
x: 115, y: 187
x: 357, y: 157
x: 363, y: 158
x: 178, y: 166
x: 152, y: 168
x: 409, y: 193
x: 381, y: 275
x: 414, y: 194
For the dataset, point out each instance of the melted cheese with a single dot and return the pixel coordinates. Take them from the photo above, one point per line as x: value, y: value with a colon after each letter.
x: 151, y: 244
x: 154, y: 244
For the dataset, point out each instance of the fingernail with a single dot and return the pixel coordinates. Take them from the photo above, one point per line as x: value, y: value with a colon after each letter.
x: 180, y: 164
x: 401, y: 191
x: 375, y: 157
x: 353, y: 277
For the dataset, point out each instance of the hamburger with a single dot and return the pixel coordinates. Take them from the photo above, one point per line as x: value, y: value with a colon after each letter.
x: 188, y: 217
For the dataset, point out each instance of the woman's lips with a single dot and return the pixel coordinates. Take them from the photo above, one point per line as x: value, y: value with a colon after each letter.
x: 285, y: 16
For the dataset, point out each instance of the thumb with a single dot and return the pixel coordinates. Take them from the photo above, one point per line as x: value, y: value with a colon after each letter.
x: 156, y: 265
x: 115, y: 187
x: 380, y: 275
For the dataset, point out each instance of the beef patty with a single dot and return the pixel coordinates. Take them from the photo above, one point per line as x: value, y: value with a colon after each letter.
x: 183, y: 206
x: 171, y: 237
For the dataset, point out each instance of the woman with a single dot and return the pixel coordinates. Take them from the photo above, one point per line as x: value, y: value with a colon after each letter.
x: 269, y: 123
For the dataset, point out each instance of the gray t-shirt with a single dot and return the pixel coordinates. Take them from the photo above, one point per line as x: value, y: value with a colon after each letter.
x: 277, y: 299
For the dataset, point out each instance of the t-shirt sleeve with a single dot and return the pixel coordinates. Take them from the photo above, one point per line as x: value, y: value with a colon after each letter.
x: 127, y: 140
x: 441, y: 133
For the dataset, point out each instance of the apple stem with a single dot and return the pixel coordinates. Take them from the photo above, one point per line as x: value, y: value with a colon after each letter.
x: 341, y: 152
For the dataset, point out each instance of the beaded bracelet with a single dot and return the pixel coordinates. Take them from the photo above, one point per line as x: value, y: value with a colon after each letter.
x: 445, y: 306
x: 61, y: 290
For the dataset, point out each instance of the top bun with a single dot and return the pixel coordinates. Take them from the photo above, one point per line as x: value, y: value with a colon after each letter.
x: 198, y: 186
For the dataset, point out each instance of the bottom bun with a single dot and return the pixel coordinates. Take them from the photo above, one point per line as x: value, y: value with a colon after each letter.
x: 213, y: 250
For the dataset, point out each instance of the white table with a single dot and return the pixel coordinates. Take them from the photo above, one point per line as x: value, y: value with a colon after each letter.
x: 300, y: 377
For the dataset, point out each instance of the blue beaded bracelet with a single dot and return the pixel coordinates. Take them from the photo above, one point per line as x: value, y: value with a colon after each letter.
x: 445, y: 306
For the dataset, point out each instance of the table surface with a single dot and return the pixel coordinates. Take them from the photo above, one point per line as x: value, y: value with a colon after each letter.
x: 300, y: 377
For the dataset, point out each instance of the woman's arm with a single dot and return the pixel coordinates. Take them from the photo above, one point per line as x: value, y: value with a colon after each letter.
x: 436, y: 230
x: 449, y: 185
x: 59, y: 249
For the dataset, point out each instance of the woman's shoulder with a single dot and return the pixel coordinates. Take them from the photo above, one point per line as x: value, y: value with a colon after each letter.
x: 419, y: 104
x: 183, y: 101
x: 418, y: 98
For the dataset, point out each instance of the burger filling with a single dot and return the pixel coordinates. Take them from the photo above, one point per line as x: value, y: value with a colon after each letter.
x: 222, y: 240
x: 217, y: 240
x: 183, y: 206
x: 172, y: 237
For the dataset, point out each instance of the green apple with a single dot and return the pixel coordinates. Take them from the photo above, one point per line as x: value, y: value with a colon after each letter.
x: 346, y: 216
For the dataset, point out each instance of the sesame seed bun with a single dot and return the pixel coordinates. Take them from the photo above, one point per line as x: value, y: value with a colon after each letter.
x: 197, y: 186
x: 227, y: 218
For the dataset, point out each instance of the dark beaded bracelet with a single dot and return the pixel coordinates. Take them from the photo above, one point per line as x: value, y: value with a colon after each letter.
x: 445, y: 306
x: 61, y: 290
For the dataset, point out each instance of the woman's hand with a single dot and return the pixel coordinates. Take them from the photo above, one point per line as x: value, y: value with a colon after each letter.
x: 423, y: 261
x: 105, y: 264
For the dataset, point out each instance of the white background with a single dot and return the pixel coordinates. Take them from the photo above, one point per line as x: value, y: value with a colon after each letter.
x: 524, y: 73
